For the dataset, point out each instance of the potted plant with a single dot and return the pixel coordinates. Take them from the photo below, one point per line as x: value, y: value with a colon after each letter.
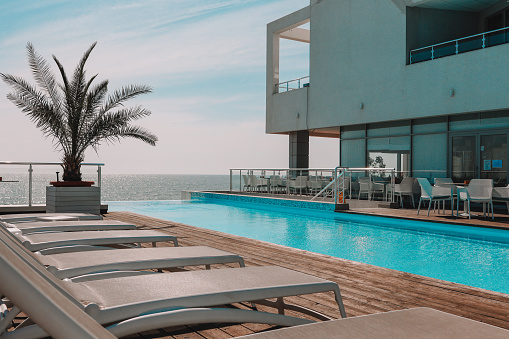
x: 76, y: 113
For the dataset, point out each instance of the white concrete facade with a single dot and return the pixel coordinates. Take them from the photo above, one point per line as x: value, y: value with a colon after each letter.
x: 363, y: 87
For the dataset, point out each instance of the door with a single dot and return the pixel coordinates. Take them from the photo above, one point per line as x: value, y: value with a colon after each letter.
x: 479, y: 156
x: 493, y: 165
x: 463, y: 158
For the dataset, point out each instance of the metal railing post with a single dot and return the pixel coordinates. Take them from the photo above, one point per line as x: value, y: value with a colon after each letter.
x: 231, y: 180
x: 30, y: 170
x: 393, y: 180
x: 99, y: 176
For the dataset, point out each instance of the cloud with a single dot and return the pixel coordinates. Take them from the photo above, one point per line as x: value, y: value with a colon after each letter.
x: 205, y: 60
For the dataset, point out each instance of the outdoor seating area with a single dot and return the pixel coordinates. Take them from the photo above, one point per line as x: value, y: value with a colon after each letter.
x: 380, y: 185
x: 96, y: 299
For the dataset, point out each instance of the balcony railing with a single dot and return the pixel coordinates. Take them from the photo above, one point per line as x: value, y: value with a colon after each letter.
x: 292, y: 84
x: 462, y: 45
x: 22, y: 187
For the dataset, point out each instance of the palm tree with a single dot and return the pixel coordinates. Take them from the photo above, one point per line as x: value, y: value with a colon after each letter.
x: 74, y: 113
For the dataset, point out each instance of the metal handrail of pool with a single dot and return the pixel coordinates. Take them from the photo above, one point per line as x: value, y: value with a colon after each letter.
x: 32, y: 164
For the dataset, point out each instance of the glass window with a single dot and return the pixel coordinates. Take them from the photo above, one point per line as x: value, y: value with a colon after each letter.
x: 494, y: 158
x: 430, y: 125
x: 389, y: 128
x: 463, y: 158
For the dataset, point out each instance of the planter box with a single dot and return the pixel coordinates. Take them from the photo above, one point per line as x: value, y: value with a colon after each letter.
x: 73, y: 199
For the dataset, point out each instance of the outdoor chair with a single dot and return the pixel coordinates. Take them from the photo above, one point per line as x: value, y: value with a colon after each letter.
x: 107, y: 263
x: 247, y: 183
x: 134, y: 304
x: 258, y: 183
x: 407, y: 187
x: 434, y: 193
x: 62, y: 242
x: 69, y: 226
x: 416, y: 323
x: 298, y: 185
x: 478, y: 191
x: 25, y: 217
x: 364, y: 187
x: 501, y: 194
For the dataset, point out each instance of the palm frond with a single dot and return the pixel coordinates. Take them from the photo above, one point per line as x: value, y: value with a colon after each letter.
x: 124, y: 94
x: 43, y: 75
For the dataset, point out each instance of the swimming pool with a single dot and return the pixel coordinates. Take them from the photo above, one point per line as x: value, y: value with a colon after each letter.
x: 467, y: 255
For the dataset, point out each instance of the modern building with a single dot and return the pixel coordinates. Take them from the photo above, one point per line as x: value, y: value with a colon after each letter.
x: 423, y: 84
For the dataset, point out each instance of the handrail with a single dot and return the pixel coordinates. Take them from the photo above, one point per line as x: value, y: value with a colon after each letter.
x: 287, y: 88
x: 30, y: 165
x: 336, y: 177
x: 457, y: 41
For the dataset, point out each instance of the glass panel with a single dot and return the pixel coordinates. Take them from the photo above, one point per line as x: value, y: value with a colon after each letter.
x: 463, y: 158
x: 494, y: 158
x: 444, y: 50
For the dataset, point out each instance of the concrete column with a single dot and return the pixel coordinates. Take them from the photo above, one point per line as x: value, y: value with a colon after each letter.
x: 299, y: 151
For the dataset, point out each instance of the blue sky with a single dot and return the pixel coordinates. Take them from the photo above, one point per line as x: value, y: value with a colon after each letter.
x: 204, y: 59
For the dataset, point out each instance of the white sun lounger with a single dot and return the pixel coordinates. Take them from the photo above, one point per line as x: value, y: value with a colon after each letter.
x: 69, y: 241
x: 15, y: 218
x: 28, y: 291
x: 139, y: 303
x: 69, y: 226
x: 415, y: 323
x: 109, y: 263
x: 68, y: 265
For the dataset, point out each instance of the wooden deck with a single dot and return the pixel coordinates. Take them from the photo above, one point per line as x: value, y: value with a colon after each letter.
x: 366, y: 289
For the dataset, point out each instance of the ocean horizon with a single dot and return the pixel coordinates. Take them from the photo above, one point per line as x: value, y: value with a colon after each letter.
x: 115, y: 187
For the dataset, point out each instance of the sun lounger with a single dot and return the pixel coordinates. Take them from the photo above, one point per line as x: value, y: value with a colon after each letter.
x: 69, y: 241
x: 116, y: 262
x: 415, y: 323
x: 68, y: 265
x: 135, y: 304
x: 28, y: 291
x: 15, y: 218
x: 69, y: 226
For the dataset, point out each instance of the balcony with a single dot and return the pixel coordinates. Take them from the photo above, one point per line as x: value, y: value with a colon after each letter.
x: 292, y: 85
x: 462, y: 45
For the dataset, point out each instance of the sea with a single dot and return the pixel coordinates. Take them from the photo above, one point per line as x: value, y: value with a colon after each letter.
x: 14, y: 187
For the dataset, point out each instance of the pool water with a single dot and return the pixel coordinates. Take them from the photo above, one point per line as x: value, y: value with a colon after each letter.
x: 467, y: 255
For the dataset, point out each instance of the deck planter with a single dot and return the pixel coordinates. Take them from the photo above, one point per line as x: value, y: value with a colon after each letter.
x: 73, y: 199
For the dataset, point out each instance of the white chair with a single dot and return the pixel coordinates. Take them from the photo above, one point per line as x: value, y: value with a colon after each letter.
x: 364, y: 187
x: 434, y: 193
x: 247, y: 183
x: 501, y: 194
x: 478, y: 191
x: 448, y: 183
x: 299, y: 184
x: 258, y: 183
x: 407, y: 187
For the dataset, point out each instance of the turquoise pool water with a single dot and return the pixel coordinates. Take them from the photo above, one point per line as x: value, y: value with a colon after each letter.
x: 468, y: 255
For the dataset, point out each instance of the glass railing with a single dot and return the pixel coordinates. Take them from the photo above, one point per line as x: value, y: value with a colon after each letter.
x: 292, y: 84
x: 462, y: 45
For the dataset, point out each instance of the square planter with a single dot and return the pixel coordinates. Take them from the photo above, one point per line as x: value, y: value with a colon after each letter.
x: 73, y: 199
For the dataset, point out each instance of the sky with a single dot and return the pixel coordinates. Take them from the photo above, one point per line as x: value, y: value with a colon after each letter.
x: 204, y: 59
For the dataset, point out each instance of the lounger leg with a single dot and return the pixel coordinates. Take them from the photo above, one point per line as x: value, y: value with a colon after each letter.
x: 429, y: 207
x: 419, y: 208
x: 280, y: 304
x: 469, y: 209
